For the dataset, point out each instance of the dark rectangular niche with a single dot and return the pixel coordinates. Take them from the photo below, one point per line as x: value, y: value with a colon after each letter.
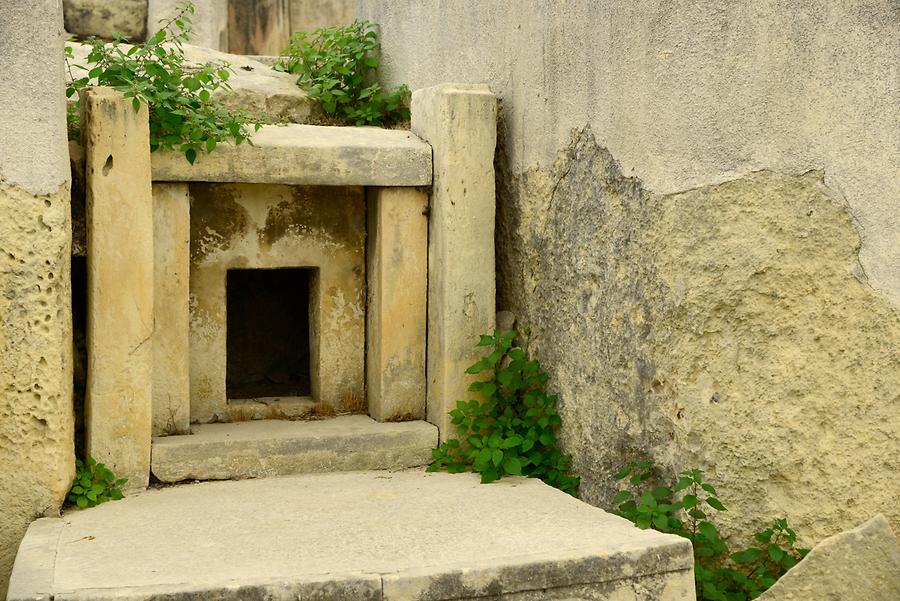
x: 268, y: 347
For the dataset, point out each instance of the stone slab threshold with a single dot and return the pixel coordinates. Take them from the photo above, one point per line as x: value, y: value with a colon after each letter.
x: 308, y: 155
x: 256, y: 449
x: 380, y: 536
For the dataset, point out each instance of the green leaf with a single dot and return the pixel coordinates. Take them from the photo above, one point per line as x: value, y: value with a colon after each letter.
x: 512, y: 466
x: 715, y: 504
x: 497, y: 457
x: 620, y: 497
x: 708, y: 531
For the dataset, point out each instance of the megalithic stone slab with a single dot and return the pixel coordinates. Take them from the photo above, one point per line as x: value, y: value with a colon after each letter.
x: 171, y: 309
x: 120, y: 284
x: 460, y: 123
x: 396, y: 308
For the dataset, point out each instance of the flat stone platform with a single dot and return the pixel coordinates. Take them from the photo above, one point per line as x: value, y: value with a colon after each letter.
x: 393, y: 536
x: 257, y: 449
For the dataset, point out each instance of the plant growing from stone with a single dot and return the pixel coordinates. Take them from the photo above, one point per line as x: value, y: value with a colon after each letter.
x: 94, y: 484
x: 686, y: 509
x: 183, y: 113
x: 511, y: 428
x: 338, y: 66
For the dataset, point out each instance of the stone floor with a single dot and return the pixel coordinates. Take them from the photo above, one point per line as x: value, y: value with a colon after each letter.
x: 395, y: 536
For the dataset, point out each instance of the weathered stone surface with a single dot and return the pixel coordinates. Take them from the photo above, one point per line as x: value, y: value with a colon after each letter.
x: 268, y: 227
x: 106, y: 18
x: 258, y: 26
x: 262, y: 448
x: 171, y: 312
x: 396, y: 317
x: 460, y: 124
x: 858, y: 565
x: 209, y: 23
x: 309, y: 155
x: 309, y: 15
x: 119, y: 215
x: 37, y: 462
x: 256, y: 88
x: 673, y: 93
x: 407, y: 536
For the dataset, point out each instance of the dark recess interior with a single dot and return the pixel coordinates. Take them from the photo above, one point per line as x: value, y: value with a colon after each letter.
x: 268, y: 333
x: 79, y: 335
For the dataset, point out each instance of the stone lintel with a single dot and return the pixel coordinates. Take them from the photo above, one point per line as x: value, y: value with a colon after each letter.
x: 308, y: 155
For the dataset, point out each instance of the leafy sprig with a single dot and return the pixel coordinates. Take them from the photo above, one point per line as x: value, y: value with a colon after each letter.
x: 686, y: 509
x: 94, y: 484
x: 184, y: 115
x: 511, y: 429
x: 338, y: 67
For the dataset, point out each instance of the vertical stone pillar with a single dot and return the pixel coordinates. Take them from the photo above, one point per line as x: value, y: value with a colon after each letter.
x: 171, y: 309
x: 397, y: 296
x: 460, y: 123
x: 258, y: 26
x: 37, y: 460
x: 120, y: 284
x: 209, y: 22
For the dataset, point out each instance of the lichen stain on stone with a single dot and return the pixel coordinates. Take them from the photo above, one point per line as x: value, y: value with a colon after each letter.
x: 720, y: 327
x: 216, y: 219
x: 308, y: 206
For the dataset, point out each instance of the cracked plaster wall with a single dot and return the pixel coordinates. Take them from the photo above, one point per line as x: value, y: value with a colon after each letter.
x: 698, y: 217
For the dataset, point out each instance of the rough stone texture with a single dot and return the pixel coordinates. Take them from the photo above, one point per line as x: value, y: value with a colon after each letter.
x: 460, y: 124
x: 255, y: 87
x: 106, y: 18
x: 267, y: 226
x: 309, y: 155
x: 403, y: 536
x: 396, y: 320
x: 775, y: 370
x: 858, y: 565
x: 309, y: 15
x: 209, y: 22
x: 171, y: 313
x: 263, y: 448
x: 258, y: 26
x: 119, y: 212
x: 36, y: 425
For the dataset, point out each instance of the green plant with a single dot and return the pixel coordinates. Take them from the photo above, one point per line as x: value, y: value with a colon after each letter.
x: 338, y: 66
x: 685, y: 509
x: 94, y: 484
x: 183, y: 112
x: 511, y: 430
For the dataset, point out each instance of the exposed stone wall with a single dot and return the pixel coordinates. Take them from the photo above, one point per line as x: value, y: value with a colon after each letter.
x: 308, y: 15
x: 709, y: 264
x: 36, y: 446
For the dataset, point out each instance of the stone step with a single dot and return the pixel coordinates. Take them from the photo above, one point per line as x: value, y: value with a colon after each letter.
x: 379, y: 536
x: 262, y: 448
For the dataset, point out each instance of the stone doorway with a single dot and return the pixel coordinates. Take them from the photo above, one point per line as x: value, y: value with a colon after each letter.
x: 268, y: 346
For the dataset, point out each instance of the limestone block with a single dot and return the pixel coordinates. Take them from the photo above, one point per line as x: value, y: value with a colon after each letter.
x: 265, y: 448
x: 258, y: 26
x: 857, y: 565
x: 120, y: 284
x: 396, y: 314
x: 171, y: 273
x: 106, y: 18
x: 309, y: 15
x: 37, y: 461
x: 309, y: 155
x: 460, y: 123
x: 269, y: 227
x: 209, y: 24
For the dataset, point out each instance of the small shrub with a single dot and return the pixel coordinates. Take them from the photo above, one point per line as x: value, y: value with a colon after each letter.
x: 183, y: 113
x: 94, y: 484
x: 512, y: 430
x: 686, y: 509
x: 338, y: 65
